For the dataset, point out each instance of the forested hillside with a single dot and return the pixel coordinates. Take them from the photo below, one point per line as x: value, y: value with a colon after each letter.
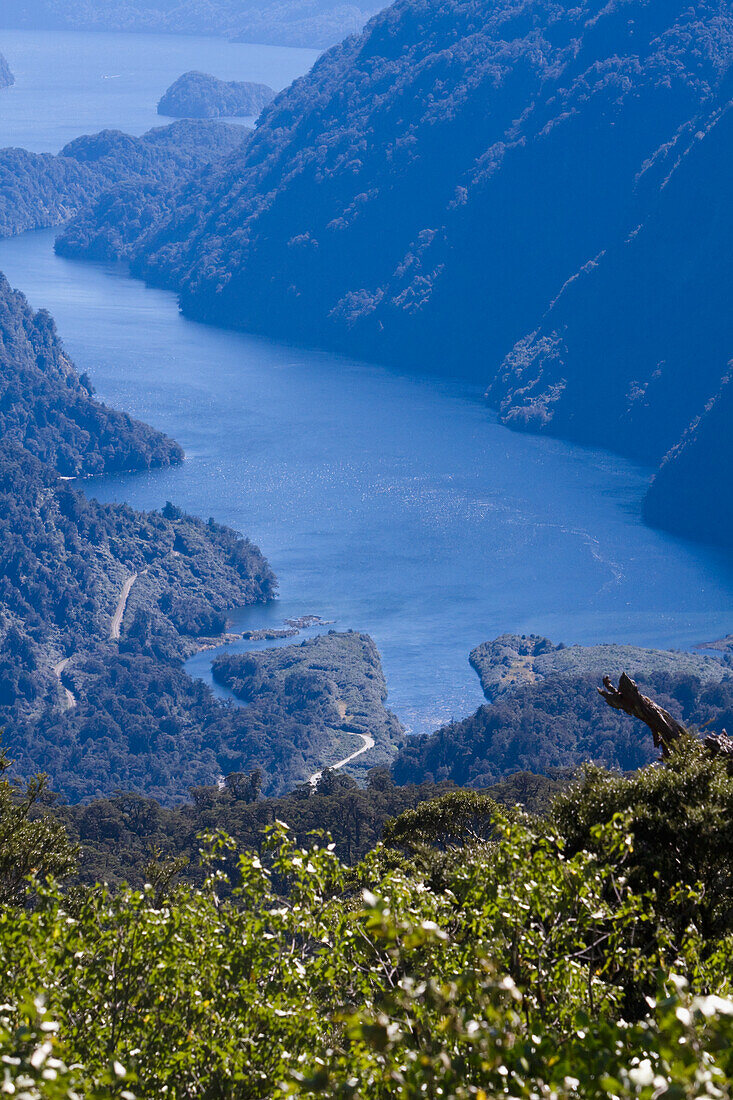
x: 478, y: 951
x: 544, y: 711
x: 99, y: 603
x: 199, y: 95
x: 48, y: 411
x: 480, y: 189
x: 38, y: 190
x: 117, y: 835
x: 313, y: 23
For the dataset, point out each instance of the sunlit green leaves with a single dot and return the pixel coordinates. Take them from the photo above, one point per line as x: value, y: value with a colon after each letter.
x: 530, y: 965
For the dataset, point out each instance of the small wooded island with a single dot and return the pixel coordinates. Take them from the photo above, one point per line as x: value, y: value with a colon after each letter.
x: 199, y: 95
x: 6, y: 76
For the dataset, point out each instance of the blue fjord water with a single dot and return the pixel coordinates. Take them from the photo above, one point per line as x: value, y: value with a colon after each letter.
x: 386, y: 503
x: 70, y: 83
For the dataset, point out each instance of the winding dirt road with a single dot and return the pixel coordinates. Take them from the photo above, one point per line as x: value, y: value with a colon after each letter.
x: 69, y: 698
x: 368, y: 743
x: 114, y: 632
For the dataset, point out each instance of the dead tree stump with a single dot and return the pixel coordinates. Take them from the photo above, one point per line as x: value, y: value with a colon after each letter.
x: 665, y: 729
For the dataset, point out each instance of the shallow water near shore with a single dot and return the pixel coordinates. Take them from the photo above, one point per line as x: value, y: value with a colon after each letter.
x: 385, y: 503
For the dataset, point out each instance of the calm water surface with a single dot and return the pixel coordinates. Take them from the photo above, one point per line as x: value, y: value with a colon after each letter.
x: 69, y: 83
x: 389, y: 504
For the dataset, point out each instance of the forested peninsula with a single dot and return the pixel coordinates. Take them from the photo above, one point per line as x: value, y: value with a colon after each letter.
x: 543, y: 711
x: 38, y: 190
x: 393, y: 200
x: 98, y: 603
x: 199, y: 95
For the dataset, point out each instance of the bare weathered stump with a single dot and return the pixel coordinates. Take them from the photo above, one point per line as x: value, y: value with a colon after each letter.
x: 665, y: 729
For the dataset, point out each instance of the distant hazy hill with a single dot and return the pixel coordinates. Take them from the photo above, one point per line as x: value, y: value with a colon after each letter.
x: 198, y: 95
x: 314, y: 23
x: 6, y: 77
x: 522, y: 193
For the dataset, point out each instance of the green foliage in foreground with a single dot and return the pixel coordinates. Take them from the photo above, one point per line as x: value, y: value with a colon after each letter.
x: 538, y: 967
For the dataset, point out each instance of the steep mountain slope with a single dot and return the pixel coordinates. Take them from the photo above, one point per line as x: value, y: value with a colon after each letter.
x: 458, y: 161
x: 691, y: 492
x: 638, y: 342
x: 47, y: 410
x: 522, y: 192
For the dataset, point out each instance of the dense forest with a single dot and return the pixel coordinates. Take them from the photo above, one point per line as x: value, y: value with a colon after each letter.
x: 38, y: 190
x: 49, y: 411
x: 199, y: 95
x: 581, y: 952
x: 544, y: 712
x: 122, y: 836
x: 332, y: 684
x: 313, y: 23
x: 99, y: 604
x: 393, y: 201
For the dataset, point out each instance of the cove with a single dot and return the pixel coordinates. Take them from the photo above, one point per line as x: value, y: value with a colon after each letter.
x: 386, y: 503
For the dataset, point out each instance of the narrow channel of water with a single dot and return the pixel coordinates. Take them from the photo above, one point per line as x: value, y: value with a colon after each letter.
x: 386, y: 503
